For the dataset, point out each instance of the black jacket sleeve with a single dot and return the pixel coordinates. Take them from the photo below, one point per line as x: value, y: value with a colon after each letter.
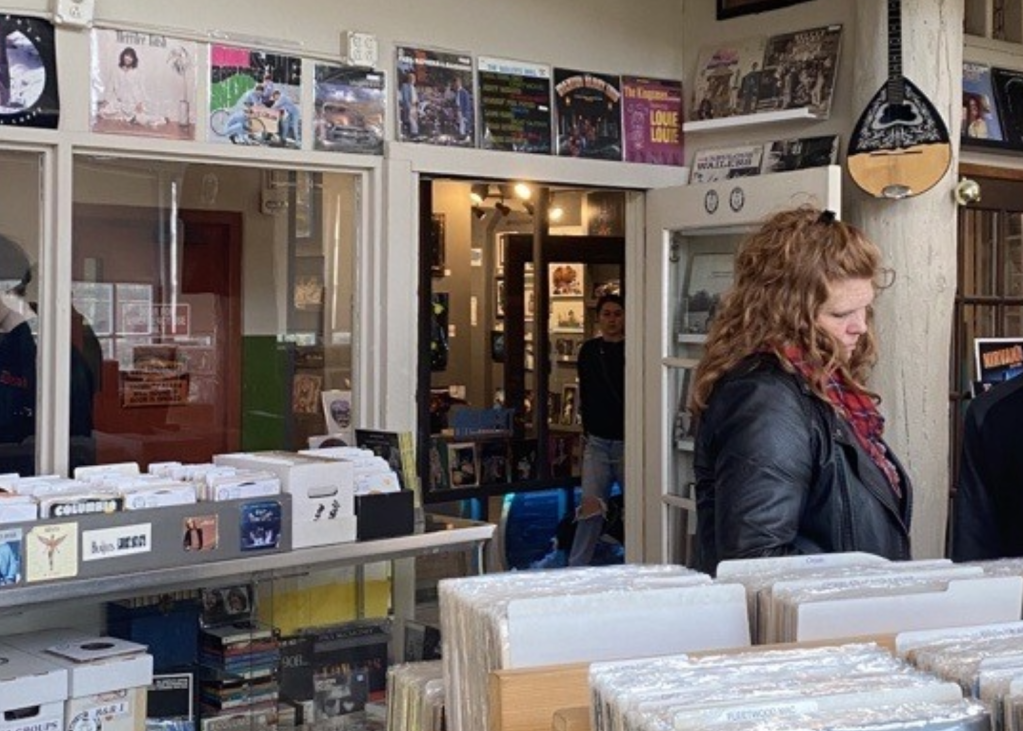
x: 974, y: 522
x: 762, y: 449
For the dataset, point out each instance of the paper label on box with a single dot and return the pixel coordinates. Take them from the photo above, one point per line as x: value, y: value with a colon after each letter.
x: 42, y: 723
x: 123, y: 540
x: 51, y: 552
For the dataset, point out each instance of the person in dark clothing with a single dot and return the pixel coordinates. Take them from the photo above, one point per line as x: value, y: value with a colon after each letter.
x: 789, y: 449
x: 18, y: 379
x: 988, y: 501
x: 601, y: 365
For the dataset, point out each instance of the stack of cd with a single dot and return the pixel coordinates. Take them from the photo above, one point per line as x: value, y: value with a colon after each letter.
x: 531, y: 619
x: 415, y: 697
x: 858, y: 686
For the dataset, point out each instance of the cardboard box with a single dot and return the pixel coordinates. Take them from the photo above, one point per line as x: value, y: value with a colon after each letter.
x: 322, y: 492
x: 385, y: 514
x: 32, y: 692
x: 106, y: 677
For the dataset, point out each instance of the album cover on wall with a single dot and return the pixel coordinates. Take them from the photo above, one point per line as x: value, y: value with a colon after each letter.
x: 1008, y: 87
x: 727, y: 78
x: 436, y: 103
x: 652, y: 120
x: 800, y: 70
x: 800, y: 153
x: 28, y: 73
x: 980, y: 113
x: 349, y: 109
x: 515, y: 105
x: 588, y: 114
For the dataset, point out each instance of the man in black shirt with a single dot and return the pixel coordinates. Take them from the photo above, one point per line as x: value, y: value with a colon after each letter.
x: 602, y: 408
x: 989, y: 496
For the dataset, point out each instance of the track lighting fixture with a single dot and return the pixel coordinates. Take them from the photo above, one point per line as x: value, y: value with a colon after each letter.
x: 530, y: 208
x: 478, y: 193
x: 478, y: 212
x: 502, y: 207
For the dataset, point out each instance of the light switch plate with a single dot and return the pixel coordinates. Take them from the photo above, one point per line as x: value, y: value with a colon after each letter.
x: 76, y: 13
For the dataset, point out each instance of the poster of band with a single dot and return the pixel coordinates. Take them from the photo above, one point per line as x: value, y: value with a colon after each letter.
x: 652, y: 120
x: 799, y: 70
x: 349, y: 109
x: 143, y: 84
x: 515, y: 105
x: 727, y: 78
x: 588, y: 114
x: 435, y: 99
x: 254, y: 97
x: 28, y: 73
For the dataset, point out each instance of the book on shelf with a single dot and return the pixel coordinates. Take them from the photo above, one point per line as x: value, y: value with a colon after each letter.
x: 708, y: 277
x: 799, y: 70
x: 727, y: 78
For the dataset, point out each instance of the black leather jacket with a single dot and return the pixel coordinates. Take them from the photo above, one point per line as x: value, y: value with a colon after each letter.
x: 779, y: 472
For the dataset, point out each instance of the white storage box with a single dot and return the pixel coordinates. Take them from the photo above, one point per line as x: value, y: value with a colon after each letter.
x: 322, y: 493
x: 107, y: 678
x: 32, y: 692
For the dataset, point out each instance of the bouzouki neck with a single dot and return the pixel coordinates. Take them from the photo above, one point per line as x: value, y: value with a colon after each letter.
x: 895, y: 95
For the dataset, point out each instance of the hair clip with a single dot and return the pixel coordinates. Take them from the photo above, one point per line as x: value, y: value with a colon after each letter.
x: 826, y: 217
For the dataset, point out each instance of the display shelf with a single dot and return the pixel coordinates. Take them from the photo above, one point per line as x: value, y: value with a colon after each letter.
x: 802, y: 114
x: 672, y: 362
x: 439, y: 534
x: 694, y: 338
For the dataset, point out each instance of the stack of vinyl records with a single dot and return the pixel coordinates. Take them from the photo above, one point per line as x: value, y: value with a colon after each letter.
x: 986, y: 661
x: 530, y: 619
x: 415, y: 696
x: 800, y: 598
x: 239, y: 664
x: 855, y: 686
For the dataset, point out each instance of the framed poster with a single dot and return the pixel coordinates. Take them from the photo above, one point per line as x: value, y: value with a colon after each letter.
x: 997, y: 359
x: 566, y: 280
x: 28, y: 73
x: 567, y: 315
x: 734, y: 8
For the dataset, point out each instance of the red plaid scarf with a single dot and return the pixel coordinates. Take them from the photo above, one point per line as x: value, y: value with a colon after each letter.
x: 859, y: 410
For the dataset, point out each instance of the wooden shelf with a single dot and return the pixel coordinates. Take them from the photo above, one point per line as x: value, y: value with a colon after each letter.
x: 802, y: 114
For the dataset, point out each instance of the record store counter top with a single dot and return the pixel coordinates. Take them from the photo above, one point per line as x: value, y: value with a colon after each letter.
x: 437, y: 534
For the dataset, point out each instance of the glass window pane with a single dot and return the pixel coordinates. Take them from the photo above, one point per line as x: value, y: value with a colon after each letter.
x: 220, y: 302
x: 20, y: 233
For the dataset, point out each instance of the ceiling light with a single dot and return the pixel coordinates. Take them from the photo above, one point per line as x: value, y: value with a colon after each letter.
x: 555, y: 213
x: 522, y: 191
x: 478, y: 193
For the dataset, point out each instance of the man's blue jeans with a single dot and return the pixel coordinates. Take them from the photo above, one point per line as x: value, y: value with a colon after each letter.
x: 603, y: 465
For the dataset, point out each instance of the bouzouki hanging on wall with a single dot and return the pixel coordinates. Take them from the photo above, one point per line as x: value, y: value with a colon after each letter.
x: 900, y: 146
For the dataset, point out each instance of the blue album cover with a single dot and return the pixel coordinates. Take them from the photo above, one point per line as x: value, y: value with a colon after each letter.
x: 260, y: 525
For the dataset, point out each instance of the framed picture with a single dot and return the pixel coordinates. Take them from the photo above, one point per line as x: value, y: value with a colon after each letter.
x: 501, y: 244
x: 734, y: 8
x: 566, y: 348
x: 497, y: 346
x: 529, y: 297
x: 565, y: 280
x: 567, y: 315
x: 499, y: 297
x: 463, y: 469
x: 570, y: 404
x: 437, y: 245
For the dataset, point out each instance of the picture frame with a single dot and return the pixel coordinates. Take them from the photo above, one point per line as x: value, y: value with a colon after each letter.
x: 708, y: 277
x: 437, y: 244
x: 567, y: 315
x: 734, y: 8
x: 565, y: 348
x: 529, y: 300
x: 497, y: 346
x: 463, y: 465
x: 500, y: 247
x: 566, y: 280
x: 500, y: 297
x: 570, y: 404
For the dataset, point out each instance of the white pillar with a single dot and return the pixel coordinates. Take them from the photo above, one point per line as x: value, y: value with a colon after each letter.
x: 918, y: 237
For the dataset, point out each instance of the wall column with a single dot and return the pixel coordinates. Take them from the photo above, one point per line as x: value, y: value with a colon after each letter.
x: 918, y: 237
